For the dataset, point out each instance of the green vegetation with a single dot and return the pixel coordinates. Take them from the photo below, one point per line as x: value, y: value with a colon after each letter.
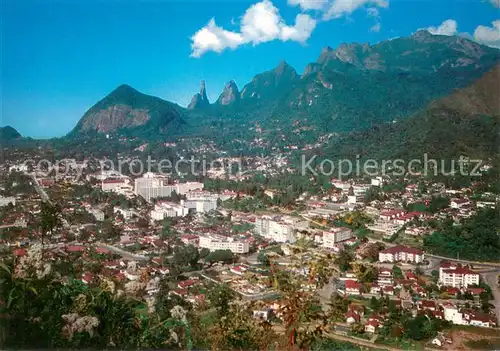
x: 476, y: 238
x: 219, y: 256
x: 8, y: 133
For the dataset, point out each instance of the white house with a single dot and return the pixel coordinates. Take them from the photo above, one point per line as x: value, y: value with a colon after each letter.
x: 401, y: 253
x: 459, y: 203
x: 456, y: 275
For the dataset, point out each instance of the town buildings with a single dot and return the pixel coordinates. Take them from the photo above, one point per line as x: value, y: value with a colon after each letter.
x: 97, y: 213
x: 281, y: 229
x: 456, y: 275
x: 151, y: 186
x: 336, y: 235
x: 220, y: 242
x: 112, y: 184
x: 4, y: 201
x: 401, y: 254
x: 165, y: 209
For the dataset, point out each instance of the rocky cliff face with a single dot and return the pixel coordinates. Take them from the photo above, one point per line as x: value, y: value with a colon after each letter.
x: 127, y: 108
x: 229, y: 95
x: 271, y: 84
x: 199, y: 100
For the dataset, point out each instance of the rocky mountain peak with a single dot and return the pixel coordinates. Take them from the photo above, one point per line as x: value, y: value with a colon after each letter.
x: 285, y: 69
x: 326, y: 49
x: 199, y: 99
x: 8, y: 133
x: 203, y: 90
x: 423, y: 36
x: 127, y: 108
x: 283, y: 65
x: 229, y: 95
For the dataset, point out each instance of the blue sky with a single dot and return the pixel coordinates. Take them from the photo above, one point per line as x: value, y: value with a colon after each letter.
x: 59, y: 57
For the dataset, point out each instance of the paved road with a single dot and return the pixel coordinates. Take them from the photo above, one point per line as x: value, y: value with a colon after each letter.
x: 491, y: 279
x: 125, y: 254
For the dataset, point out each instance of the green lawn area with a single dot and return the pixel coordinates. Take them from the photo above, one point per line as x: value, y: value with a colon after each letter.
x: 408, y: 240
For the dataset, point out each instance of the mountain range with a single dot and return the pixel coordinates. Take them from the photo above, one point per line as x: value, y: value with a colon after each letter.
x: 466, y: 122
x: 350, y: 88
x: 394, y: 96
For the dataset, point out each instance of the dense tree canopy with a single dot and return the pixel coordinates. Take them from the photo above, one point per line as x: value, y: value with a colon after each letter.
x: 476, y: 238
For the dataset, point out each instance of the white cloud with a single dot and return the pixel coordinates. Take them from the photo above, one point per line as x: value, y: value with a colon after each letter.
x: 339, y: 8
x: 260, y: 23
x: 304, y: 25
x: 376, y: 28
x: 495, y: 3
x: 448, y: 27
x: 488, y: 35
x: 306, y: 5
x: 214, y: 38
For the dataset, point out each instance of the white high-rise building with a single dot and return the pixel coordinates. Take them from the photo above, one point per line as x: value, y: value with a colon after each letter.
x: 280, y: 229
x: 336, y: 235
x: 201, y: 202
x: 151, y: 186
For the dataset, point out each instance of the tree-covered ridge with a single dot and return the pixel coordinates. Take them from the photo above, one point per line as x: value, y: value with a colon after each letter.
x: 466, y: 122
x: 476, y: 238
x: 8, y: 133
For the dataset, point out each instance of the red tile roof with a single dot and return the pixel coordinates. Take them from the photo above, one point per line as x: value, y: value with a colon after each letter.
x: 113, y: 181
x: 72, y: 248
x: 354, y: 315
x: 475, y: 291
x: 20, y: 252
x: 186, y: 283
x: 400, y: 248
x: 460, y: 270
x: 352, y: 284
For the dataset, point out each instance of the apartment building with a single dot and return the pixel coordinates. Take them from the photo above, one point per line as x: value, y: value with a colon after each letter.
x: 164, y: 209
x: 111, y: 184
x: 336, y: 235
x: 219, y: 242
x: 280, y: 228
x: 456, y: 275
x: 151, y: 186
x: 401, y: 254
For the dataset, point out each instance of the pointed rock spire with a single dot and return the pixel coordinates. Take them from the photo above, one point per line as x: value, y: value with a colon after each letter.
x: 199, y: 99
x: 229, y: 95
